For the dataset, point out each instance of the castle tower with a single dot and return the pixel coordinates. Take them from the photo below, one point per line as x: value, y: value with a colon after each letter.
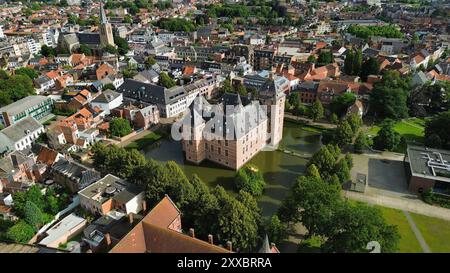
x: 106, y: 34
x: 272, y: 95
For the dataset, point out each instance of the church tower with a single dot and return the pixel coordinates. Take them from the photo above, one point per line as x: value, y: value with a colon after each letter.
x: 106, y: 35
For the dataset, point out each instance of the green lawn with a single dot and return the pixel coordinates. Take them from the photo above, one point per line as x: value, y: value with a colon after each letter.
x: 411, y: 129
x: 435, y: 231
x: 408, y: 242
x: 140, y: 143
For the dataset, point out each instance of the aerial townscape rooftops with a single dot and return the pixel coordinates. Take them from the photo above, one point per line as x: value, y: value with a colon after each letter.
x: 227, y: 127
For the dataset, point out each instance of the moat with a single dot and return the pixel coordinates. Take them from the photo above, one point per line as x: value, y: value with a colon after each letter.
x: 280, y: 169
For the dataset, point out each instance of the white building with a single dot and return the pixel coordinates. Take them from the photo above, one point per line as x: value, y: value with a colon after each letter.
x: 64, y: 230
x: 33, y: 46
x: 2, y: 35
x: 20, y: 135
x: 111, y: 193
x: 108, y: 100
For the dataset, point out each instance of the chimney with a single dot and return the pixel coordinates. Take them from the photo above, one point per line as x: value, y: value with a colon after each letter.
x: 210, y: 239
x: 108, y: 240
x: 130, y: 218
x: 229, y: 246
x: 192, y: 232
x: 144, y: 206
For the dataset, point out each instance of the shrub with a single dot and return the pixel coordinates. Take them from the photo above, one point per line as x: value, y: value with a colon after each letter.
x: 250, y: 179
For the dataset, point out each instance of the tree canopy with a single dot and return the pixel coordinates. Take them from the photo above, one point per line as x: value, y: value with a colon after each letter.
x: 250, y: 179
x: 120, y: 127
x: 165, y: 80
x: 216, y: 212
x: 388, y: 98
x: 387, y: 138
x: 437, y: 131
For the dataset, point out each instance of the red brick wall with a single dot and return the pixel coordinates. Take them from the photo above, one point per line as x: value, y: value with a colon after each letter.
x: 415, y: 183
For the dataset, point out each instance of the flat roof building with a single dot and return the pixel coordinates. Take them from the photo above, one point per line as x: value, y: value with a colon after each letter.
x: 427, y: 168
x: 38, y: 107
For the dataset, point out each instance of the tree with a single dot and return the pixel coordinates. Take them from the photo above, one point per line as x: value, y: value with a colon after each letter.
x: 294, y: 99
x: 355, y: 121
x: 343, y: 134
x: 340, y: 104
x: 312, y: 202
x: 432, y: 97
x: 241, y: 90
x: 122, y: 45
x: 86, y: 50
x: 235, y: 223
x: 226, y: 87
x: 437, y: 131
x: 387, y: 138
x: 14, y: 88
x: 334, y: 118
x: 119, y: 127
x: 34, y: 195
x: 201, y: 208
x: 3, y: 75
x: 165, y: 80
x: 250, y: 179
x: 357, y: 62
x: 388, y: 98
x: 324, y: 160
x: 110, y: 49
x: 33, y: 215
x: 355, y: 225
x: 31, y: 73
x: 360, y: 142
x: 316, y: 111
x: 20, y: 232
x: 275, y: 229
x: 63, y: 3
x: 348, y: 62
x: 149, y: 62
x: 369, y: 67
x: 312, y: 171
x: 325, y: 57
x: 342, y: 171
x: 311, y: 59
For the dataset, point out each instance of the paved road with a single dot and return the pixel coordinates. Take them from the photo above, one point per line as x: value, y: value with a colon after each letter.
x: 417, y: 233
x: 309, y: 121
x: 412, y: 205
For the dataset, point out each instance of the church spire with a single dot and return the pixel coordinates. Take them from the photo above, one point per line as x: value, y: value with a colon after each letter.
x: 103, y: 18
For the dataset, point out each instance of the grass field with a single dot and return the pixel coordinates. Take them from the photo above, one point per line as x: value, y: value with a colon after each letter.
x: 408, y: 242
x: 435, y: 231
x: 139, y: 144
x: 411, y: 129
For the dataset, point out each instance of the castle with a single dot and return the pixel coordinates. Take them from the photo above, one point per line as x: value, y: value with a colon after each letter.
x: 239, y: 127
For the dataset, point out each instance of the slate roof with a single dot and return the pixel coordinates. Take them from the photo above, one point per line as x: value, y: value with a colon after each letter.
x: 106, y: 96
x: 19, y: 129
x: 89, y: 38
x: 23, y: 104
x: 76, y: 171
x: 151, y: 93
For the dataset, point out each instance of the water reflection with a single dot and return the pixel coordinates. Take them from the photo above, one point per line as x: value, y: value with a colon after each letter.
x: 280, y: 170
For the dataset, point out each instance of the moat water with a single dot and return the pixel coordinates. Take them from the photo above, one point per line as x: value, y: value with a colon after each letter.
x: 280, y: 169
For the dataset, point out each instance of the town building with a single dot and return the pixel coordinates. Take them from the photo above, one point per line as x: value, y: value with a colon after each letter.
x: 108, y: 100
x: 427, y: 169
x: 231, y: 143
x: 73, y: 175
x: 111, y: 193
x: 160, y: 232
x: 21, y: 135
x: 38, y: 107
